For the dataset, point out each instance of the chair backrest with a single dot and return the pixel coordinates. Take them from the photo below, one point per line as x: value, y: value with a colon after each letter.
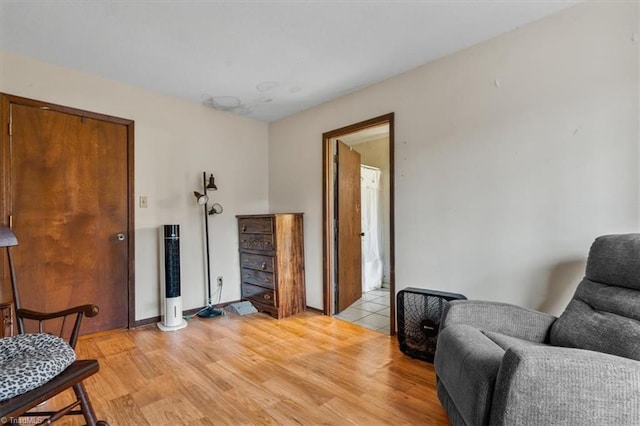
x: 55, y: 320
x: 7, y: 240
x: 604, y: 314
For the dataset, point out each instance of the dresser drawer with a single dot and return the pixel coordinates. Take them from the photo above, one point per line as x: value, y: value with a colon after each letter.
x: 257, y: 225
x: 271, y: 255
x: 265, y: 279
x: 256, y: 242
x: 259, y: 294
x: 256, y: 261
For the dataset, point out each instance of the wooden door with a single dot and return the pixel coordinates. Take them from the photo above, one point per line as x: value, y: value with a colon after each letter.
x: 348, y: 244
x: 68, y: 197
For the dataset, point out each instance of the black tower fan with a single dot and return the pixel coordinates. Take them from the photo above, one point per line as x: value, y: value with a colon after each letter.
x: 419, y: 312
x: 170, y: 298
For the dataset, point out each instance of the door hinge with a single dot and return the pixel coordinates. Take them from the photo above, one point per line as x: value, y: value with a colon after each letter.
x: 10, y: 129
x: 10, y: 221
x: 335, y: 158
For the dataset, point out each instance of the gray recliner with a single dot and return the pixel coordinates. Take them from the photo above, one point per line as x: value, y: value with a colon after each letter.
x: 500, y: 364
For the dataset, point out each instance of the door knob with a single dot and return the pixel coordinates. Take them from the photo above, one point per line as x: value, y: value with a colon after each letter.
x: 120, y: 237
x: 362, y: 234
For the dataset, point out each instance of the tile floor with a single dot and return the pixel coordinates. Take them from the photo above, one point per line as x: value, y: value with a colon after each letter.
x: 371, y: 311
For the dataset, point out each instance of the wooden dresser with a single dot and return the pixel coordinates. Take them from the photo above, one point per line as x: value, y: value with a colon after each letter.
x: 272, y: 262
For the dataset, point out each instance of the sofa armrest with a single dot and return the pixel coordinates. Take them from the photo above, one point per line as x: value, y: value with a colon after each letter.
x: 503, y: 318
x: 556, y: 385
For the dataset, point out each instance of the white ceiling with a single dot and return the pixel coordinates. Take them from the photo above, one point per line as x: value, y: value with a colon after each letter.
x: 261, y: 59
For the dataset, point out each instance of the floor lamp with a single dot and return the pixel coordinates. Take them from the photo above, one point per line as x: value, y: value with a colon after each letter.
x: 208, y: 311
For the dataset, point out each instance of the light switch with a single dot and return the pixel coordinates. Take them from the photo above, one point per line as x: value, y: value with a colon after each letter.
x: 144, y: 202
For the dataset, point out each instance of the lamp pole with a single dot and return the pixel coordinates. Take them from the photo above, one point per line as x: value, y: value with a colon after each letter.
x: 206, y: 234
x: 208, y: 311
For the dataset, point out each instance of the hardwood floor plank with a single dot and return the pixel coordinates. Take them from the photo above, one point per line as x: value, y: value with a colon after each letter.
x: 125, y: 410
x: 307, y: 369
x: 289, y: 412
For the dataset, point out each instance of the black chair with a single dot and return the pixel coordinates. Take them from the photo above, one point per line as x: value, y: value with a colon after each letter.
x: 70, y: 378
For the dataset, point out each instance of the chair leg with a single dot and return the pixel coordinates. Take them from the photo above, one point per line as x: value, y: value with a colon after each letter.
x: 85, y: 404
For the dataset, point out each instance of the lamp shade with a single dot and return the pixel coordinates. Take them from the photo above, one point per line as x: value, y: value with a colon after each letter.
x: 212, y: 184
x: 202, y: 198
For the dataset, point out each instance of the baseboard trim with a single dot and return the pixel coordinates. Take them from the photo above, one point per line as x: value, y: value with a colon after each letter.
x: 316, y: 310
x: 146, y: 321
x: 188, y: 312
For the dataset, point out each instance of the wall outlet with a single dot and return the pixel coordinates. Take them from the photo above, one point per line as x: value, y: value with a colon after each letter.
x: 219, y: 280
x: 144, y: 202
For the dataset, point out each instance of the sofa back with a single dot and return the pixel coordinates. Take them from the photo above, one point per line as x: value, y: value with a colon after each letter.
x: 604, y: 314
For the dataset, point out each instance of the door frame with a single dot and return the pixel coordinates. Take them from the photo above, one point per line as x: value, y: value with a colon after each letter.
x: 328, y: 244
x: 5, y: 175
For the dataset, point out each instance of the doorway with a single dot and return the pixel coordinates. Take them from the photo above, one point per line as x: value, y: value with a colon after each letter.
x: 358, y: 233
x: 67, y: 185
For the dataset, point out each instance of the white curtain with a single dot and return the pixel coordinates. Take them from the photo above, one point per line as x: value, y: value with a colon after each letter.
x: 372, y: 228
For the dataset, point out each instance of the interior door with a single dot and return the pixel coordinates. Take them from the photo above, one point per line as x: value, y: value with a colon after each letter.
x: 348, y: 244
x: 68, y: 200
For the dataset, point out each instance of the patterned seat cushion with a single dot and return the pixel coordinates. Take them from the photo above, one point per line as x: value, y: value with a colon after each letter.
x: 28, y: 361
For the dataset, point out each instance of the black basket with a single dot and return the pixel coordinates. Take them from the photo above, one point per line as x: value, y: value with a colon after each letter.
x: 419, y: 314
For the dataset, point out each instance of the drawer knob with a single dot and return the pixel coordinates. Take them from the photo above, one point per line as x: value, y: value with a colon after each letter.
x: 247, y: 275
x: 245, y: 260
x: 244, y: 228
x: 264, y: 265
x: 267, y: 296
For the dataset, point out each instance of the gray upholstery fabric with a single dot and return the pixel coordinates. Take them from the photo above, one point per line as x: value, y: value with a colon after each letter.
x: 546, y: 385
x: 454, y: 416
x: 498, y: 317
x: 604, y: 314
x: 506, y: 342
x: 467, y: 364
x: 621, y: 301
x: 593, y: 380
x: 601, y: 318
x: 615, y: 260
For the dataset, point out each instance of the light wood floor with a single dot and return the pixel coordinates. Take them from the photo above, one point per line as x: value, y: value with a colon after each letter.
x: 308, y: 369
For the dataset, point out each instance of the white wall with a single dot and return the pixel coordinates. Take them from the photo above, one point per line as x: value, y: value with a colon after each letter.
x: 175, y: 141
x: 511, y: 157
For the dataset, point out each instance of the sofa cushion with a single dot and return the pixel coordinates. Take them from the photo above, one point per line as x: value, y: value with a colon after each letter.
x: 467, y: 363
x: 601, y: 318
x: 28, y: 361
x: 615, y: 260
